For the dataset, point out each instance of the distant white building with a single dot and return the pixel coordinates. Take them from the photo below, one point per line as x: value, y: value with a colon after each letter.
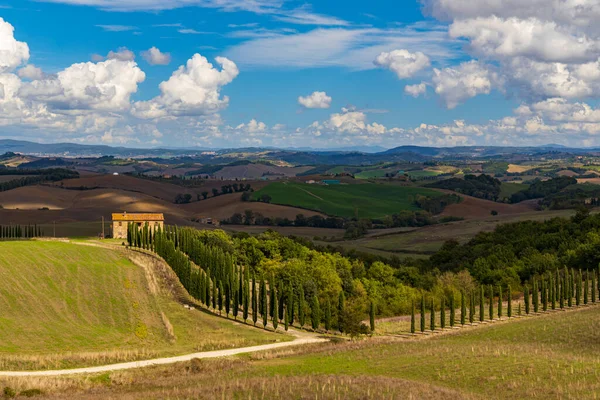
x: 115, y: 174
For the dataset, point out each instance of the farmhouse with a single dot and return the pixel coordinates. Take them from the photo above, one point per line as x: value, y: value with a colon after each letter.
x: 120, y: 222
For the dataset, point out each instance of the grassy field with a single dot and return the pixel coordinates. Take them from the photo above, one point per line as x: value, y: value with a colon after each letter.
x: 549, y: 357
x: 67, y: 305
x: 367, y: 200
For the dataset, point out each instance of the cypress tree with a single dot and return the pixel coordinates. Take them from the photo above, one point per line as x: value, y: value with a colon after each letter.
x: 265, y: 311
x: 272, y: 305
x: 290, y: 307
x: 301, y: 308
x: 536, y: 299
x: 578, y: 289
x: 412, y: 318
x: 214, y: 295
x: 246, y: 298
x: 544, y: 295
x: 452, y: 311
x: 593, y: 288
x: 472, y: 308
x: 443, y: 313
x: 570, y: 283
x: 227, y: 299
x: 519, y: 309
x: 561, y: 292
x: 422, y: 313
x: 372, y: 316
x: 220, y: 298
x: 463, y: 308
x: 432, y: 316
x: 481, y: 304
x: 315, y: 313
x: 509, y: 309
x: 275, y: 308
x: 263, y: 305
x: 254, y: 301
x: 327, y: 315
x: 286, y: 319
x: 552, y: 293
x: 499, y: 302
x: 526, y: 294
x: 340, y: 311
x: 491, y: 305
x: 586, y: 284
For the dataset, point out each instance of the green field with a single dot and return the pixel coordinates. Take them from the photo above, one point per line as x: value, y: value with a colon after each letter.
x: 367, y: 200
x: 65, y: 304
x: 371, y: 174
x: 553, y: 356
x: 422, y: 173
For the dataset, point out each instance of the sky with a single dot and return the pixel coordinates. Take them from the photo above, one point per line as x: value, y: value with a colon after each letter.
x: 294, y: 74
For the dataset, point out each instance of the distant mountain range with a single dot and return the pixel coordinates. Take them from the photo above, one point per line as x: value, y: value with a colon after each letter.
x: 347, y: 155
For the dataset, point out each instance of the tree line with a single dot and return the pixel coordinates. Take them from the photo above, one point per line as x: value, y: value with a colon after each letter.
x: 20, y: 232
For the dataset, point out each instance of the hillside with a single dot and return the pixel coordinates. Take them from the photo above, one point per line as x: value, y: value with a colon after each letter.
x: 92, y: 305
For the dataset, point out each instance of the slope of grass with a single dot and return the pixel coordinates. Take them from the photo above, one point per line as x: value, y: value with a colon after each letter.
x: 64, y: 304
x: 367, y: 200
x: 550, y: 357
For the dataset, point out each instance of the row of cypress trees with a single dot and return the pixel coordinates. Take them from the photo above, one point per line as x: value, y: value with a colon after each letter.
x: 20, y: 231
x: 560, y: 289
x: 225, y: 287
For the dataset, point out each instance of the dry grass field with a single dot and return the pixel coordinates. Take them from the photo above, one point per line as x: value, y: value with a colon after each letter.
x: 66, y: 305
x: 550, y: 357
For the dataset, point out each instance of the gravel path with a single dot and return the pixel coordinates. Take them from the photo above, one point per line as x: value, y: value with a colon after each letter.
x: 301, y: 339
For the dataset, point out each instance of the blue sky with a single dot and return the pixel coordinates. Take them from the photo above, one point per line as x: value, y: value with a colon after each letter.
x: 427, y: 72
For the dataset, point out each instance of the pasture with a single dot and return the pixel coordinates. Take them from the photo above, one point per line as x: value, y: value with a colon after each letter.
x: 368, y: 200
x: 67, y: 305
x: 549, y: 357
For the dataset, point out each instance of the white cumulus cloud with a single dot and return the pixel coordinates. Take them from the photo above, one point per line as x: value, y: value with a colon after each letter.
x: 194, y: 89
x: 31, y: 72
x: 404, y: 63
x: 315, y: 100
x: 155, y: 57
x: 12, y: 52
x: 458, y: 84
x: 416, y: 90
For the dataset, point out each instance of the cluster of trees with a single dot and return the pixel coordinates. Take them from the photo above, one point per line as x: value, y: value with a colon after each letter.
x: 273, y: 279
x: 515, y: 253
x: 578, y: 196
x: 540, y: 189
x: 20, y: 231
x: 185, y: 198
x: 255, y: 218
x: 39, y: 176
x: 481, y: 186
x: 435, y: 205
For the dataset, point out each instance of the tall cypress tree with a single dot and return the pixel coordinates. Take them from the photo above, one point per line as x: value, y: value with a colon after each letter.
x: 422, y: 313
x: 227, y: 299
x: 472, y: 307
x: 432, y: 316
x: 586, y: 284
x: 315, y: 313
x: 220, y: 298
x: 443, y: 313
x: 526, y: 294
x: 481, y: 304
x: 412, y: 318
x: 463, y: 308
x: 499, y: 302
x: 372, y: 316
x: 246, y: 297
x: 452, y: 311
x: 214, y: 295
x: 272, y: 305
x: 301, y: 308
x: 552, y: 292
x: 286, y: 319
x: 544, y: 295
x: 593, y: 288
x: 561, y: 292
x: 509, y: 309
x: 275, y: 307
x: 254, y: 301
x: 578, y: 287
x: 340, y: 311
x: 327, y: 315
x: 535, y: 294
x: 491, y: 304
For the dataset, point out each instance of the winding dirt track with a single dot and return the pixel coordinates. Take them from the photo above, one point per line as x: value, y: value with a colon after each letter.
x: 301, y: 339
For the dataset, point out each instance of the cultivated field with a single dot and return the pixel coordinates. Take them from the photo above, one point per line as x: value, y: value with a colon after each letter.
x: 550, y: 357
x: 66, y: 305
x: 367, y: 200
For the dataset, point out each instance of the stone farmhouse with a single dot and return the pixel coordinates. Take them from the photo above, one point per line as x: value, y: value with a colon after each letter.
x: 120, y: 222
